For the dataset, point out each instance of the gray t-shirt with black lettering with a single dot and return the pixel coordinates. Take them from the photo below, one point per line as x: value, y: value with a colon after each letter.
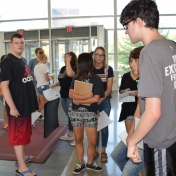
x: 157, y: 66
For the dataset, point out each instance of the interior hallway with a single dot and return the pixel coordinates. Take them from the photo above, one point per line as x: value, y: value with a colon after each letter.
x: 63, y: 160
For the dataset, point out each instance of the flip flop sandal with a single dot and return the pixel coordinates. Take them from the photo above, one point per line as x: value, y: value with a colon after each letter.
x: 24, y: 172
x: 96, y: 155
x: 5, y: 127
x: 29, y: 159
x: 104, y: 157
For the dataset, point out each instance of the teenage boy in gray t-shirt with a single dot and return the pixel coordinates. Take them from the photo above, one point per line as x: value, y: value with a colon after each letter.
x: 157, y: 87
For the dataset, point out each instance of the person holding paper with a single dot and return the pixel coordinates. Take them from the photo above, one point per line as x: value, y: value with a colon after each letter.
x: 84, y: 115
x: 42, y: 78
x: 65, y: 77
x: 129, y: 82
x: 105, y: 72
x: 157, y: 89
x: 119, y: 154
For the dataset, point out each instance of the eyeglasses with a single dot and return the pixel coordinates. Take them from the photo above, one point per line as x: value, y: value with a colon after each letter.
x: 99, y: 55
x: 125, y: 25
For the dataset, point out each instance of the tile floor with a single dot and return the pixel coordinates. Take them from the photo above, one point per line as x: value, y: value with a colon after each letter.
x: 63, y: 160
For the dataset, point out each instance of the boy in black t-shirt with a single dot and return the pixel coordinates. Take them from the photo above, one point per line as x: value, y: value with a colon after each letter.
x: 19, y: 93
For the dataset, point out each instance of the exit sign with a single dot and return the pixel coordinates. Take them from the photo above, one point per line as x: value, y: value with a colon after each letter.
x: 20, y: 31
x: 69, y: 29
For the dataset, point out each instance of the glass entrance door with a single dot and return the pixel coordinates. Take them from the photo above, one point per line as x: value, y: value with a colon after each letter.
x: 30, y: 50
x: 80, y: 46
x: 60, y: 47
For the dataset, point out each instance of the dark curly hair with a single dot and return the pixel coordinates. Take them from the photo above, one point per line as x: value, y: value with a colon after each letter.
x: 146, y: 10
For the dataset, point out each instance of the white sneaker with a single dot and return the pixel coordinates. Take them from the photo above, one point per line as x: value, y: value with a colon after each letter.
x: 73, y: 143
x: 67, y: 138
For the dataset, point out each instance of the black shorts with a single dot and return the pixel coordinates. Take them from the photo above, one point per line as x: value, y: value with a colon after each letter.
x: 160, y: 162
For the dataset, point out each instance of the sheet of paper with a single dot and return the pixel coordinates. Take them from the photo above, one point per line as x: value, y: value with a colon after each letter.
x: 35, y: 116
x: 125, y: 94
x: 124, y: 135
x: 51, y: 94
x: 103, y: 120
x: 125, y: 97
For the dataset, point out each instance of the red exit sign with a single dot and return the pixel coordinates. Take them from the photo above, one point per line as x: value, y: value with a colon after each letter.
x: 20, y: 31
x: 69, y: 29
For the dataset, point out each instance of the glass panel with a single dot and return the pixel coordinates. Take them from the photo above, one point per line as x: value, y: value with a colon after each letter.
x: 60, y: 48
x: 167, y: 21
x: 123, y: 65
x: 80, y: 46
x: 45, y: 47
x: 81, y: 8
x: 111, y: 60
x: 94, y: 43
x: 20, y: 9
x: 166, y: 7
x: 110, y: 41
x: 30, y: 50
x: 168, y: 33
x: 13, y: 26
x: 108, y: 22
x: 121, y: 5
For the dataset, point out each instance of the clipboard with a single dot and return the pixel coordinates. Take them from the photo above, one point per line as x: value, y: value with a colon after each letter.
x: 82, y: 88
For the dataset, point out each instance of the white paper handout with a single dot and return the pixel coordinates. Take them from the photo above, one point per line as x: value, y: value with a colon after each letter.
x: 51, y: 75
x: 125, y: 97
x: 51, y: 94
x: 35, y: 116
x: 103, y: 120
x: 124, y: 135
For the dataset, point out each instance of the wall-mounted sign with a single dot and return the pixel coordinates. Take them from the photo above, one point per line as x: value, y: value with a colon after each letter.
x: 69, y: 29
x: 20, y: 31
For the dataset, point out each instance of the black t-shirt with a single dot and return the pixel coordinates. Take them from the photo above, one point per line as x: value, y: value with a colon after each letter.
x: 65, y: 82
x: 104, y: 74
x: 128, y: 108
x: 97, y: 89
x: 21, y: 86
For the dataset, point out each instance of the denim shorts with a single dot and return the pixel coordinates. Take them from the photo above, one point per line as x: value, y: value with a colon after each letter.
x: 42, y: 88
x: 82, y: 117
x: 130, y: 118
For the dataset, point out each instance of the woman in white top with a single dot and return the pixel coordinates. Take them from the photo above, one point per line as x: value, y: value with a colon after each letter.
x: 42, y: 78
